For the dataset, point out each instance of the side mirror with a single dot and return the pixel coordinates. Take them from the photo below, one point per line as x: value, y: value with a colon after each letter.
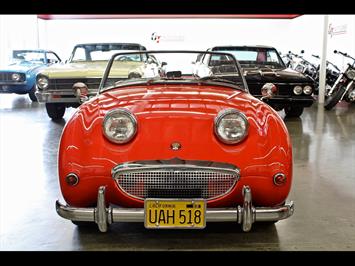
x: 164, y: 64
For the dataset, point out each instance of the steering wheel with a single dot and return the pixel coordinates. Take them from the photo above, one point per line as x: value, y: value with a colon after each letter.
x: 124, y: 58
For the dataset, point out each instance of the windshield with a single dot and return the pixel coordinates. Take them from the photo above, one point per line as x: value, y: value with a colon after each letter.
x: 103, y: 52
x: 172, y: 67
x: 254, y: 56
x: 29, y: 56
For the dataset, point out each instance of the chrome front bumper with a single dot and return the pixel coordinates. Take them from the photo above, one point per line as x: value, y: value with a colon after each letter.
x: 245, y: 215
x: 59, y: 96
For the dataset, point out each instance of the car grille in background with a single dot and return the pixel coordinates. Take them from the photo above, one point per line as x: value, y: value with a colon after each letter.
x: 67, y: 84
x: 6, y: 76
x: 176, y: 182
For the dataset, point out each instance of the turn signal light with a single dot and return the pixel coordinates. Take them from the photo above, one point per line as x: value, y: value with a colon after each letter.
x: 72, y: 179
x: 280, y: 179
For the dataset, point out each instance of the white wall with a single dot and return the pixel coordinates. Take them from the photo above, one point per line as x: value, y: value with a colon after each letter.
x: 17, y: 32
x: 62, y: 35
x: 342, y: 39
x: 304, y: 32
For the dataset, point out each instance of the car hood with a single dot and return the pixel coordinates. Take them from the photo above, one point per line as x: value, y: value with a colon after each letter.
x: 86, y: 69
x: 23, y: 67
x: 264, y: 75
x: 195, y: 101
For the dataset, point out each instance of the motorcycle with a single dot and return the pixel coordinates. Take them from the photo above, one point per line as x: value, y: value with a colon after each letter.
x: 300, y: 64
x: 332, y: 74
x: 344, y: 86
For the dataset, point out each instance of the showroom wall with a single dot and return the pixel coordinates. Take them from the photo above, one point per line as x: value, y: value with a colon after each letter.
x: 17, y: 32
x: 168, y: 33
x: 304, y: 32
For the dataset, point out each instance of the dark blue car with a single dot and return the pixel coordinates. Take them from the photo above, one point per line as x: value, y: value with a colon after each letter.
x: 20, y: 76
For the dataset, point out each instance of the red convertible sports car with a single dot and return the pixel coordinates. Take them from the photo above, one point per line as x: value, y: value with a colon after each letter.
x: 172, y: 149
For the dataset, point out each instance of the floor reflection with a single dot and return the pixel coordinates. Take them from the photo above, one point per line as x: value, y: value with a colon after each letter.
x: 216, y: 236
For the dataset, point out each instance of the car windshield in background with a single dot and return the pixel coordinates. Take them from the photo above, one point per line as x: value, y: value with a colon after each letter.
x: 254, y: 56
x: 103, y: 52
x: 30, y: 56
x: 172, y: 67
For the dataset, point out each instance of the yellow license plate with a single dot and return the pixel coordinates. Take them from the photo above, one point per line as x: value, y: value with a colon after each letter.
x: 175, y: 213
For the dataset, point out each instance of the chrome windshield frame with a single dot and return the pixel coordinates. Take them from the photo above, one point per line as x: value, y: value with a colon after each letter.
x: 110, y: 62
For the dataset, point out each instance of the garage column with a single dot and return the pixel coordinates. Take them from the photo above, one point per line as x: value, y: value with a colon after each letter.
x: 323, y: 64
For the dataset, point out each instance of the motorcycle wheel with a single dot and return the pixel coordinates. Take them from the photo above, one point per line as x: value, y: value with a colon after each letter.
x: 333, y: 99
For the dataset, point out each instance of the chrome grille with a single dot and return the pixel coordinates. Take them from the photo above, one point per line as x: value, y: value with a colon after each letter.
x: 175, y: 181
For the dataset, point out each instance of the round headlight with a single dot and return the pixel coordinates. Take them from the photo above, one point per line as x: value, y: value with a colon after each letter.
x: 119, y: 126
x: 42, y: 82
x: 231, y: 126
x: 307, y: 90
x: 297, y: 90
x: 350, y: 74
x: 15, y: 77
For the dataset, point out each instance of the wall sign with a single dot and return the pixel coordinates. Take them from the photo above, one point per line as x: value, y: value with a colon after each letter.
x: 337, y: 30
x: 158, y: 38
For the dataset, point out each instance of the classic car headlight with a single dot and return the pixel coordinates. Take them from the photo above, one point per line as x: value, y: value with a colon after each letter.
x: 307, y: 90
x: 297, y: 90
x: 231, y: 126
x: 42, y: 82
x: 119, y: 126
x: 16, y: 77
x: 350, y: 74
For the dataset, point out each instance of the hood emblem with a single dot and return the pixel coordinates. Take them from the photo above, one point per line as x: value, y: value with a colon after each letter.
x: 175, y: 146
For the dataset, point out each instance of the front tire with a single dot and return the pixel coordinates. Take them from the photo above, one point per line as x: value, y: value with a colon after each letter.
x: 83, y: 224
x: 55, y: 110
x: 333, y: 99
x: 32, y: 95
x: 294, y: 111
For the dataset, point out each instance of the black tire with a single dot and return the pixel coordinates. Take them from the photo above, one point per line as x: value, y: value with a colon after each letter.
x: 32, y: 95
x: 294, y: 111
x: 83, y: 224
x: 55, y: 110
x: 271, y: 222
x: 333, y: 99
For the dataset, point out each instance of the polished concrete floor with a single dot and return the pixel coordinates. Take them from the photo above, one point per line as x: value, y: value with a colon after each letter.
x: 323, y: 191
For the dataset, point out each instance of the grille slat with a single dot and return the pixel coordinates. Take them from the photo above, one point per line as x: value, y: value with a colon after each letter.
x: 176, y: 182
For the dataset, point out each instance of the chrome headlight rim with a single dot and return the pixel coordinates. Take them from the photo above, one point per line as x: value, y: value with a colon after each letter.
x: 352, y: 75
x: 16, y: 77
x: 307, y: 90
x: 218, y: 119
x: 40, y: 85
x: 129, y: 115
x: 300, y: 90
